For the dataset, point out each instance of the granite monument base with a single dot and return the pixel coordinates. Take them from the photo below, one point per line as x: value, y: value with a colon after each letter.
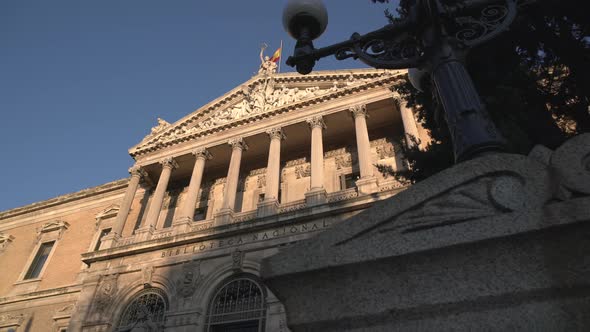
x: 498, y: 243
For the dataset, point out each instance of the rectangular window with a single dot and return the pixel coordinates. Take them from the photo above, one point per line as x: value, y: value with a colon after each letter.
x: 200, y: 214
x: 39, y: 261
x: 260, y: 198
x: 103, y: 233
x: 348, y: 180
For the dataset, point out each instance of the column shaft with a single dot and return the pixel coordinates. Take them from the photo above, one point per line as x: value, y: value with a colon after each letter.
x: 274, y: 165
x: 231, y: 184
x: 188, y: 208
x: 362, y: 140
x: 317, y: 152
x: 125, y: 207
x: 409, y: 122
x: 158, y: 196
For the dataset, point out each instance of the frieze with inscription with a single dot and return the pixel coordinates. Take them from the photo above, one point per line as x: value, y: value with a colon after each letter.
x: 275, y: 233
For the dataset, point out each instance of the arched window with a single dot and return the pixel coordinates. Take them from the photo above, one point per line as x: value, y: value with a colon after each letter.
x: 237, y: 306
x: 146, y: 310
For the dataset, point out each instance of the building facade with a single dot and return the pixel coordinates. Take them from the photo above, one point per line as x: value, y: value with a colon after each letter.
x: 178, y: 245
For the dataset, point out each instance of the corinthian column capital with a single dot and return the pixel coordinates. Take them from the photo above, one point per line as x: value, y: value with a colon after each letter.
x: 315, y: 122
x: 276, y: 133
x: 238, y: 143
x: 169, y: 162
x: 202, y: 153
x: 358, y: 110
x: 137, y: 171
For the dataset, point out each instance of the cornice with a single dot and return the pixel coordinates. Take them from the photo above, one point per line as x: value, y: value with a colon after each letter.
x: 88, y: 192
x: 43, y: 294
x: 166, y: 138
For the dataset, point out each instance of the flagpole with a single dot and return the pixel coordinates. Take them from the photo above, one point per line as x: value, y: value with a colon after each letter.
x: 280, y: 57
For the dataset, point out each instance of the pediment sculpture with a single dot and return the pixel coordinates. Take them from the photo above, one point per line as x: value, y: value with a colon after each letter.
x: 262, y: 98
x: 262, y: 94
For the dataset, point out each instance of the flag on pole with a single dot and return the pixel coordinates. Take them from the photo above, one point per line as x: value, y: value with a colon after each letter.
x: 276, y: 55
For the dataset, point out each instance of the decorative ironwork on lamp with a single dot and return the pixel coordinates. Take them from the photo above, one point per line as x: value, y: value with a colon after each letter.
x: 432, y: 41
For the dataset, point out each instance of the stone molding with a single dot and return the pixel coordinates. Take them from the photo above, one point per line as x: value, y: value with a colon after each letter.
x: 85, y: 193
x: 57, y: 226
x: 11, y: 320
x: 258, y: 171
x: 64, y: 312
x: 109, y: 212
x: 5, y: 240
x: 295, y: 162
x: 40, y: 294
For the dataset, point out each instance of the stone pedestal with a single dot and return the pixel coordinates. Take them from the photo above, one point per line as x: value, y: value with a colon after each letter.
x: 145, y: 233
x: 224, y: 217
x: 497, y: 243
x: 316, y: 196
x: 109, y: 241
x: 267, y: 208
x: 182, y: 225
x: 367, y: 185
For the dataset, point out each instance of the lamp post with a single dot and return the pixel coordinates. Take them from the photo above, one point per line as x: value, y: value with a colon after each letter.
x: 432, y: 40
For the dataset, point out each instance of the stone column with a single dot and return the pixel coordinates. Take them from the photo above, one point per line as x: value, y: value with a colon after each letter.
x: 187, y: 210
x: 225, y: 214
x: 117, y: 230
x: 157, y: 198
x: 273, y: 172
x: 367, y: 183
x: 409, y: 122
x: 317, y: 192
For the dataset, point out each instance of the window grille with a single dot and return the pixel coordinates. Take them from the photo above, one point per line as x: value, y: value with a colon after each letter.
x: 238, y: 304
x: 145, y: 311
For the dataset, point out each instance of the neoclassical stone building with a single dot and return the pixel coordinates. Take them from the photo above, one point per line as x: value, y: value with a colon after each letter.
x: 178, y: 245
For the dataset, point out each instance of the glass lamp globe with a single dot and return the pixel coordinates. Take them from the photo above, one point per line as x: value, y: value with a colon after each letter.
x: 300, y: 15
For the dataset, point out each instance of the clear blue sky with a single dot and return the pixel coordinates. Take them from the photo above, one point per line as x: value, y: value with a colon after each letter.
x: 81, y: 81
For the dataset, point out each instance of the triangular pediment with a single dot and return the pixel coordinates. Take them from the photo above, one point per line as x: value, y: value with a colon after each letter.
x: 261, y: 97
x: 110, y: 211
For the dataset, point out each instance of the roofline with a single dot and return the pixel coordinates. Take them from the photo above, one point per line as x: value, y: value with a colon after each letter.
x: 66, y: 198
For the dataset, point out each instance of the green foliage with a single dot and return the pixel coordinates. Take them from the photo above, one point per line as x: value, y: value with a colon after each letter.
x: 534, y: 81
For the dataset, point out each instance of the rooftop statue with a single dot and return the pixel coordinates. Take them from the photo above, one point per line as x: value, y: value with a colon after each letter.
x: 266, y: 65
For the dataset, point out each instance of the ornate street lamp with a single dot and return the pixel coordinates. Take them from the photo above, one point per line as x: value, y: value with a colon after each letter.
x: 432, y: 40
